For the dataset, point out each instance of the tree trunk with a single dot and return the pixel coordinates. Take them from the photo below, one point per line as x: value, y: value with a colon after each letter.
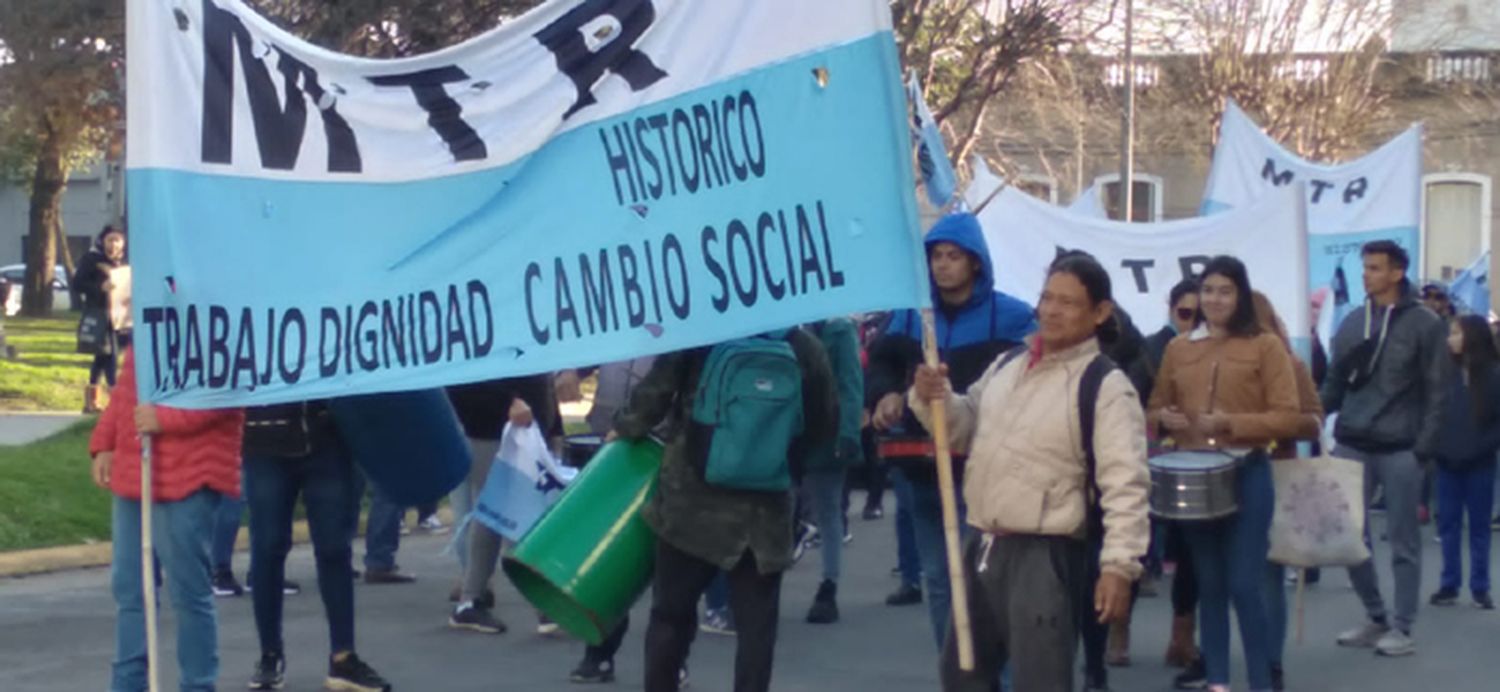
x: 47, y: 187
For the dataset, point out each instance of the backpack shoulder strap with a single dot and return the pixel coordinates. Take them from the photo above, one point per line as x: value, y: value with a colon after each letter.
x: 1088, y: 402
x: 1011, y: 355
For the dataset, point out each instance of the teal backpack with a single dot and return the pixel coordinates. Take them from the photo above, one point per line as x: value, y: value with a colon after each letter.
x: 748, y: 412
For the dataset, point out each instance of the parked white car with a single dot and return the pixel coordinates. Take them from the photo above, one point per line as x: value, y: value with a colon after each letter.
x: 15, y: 276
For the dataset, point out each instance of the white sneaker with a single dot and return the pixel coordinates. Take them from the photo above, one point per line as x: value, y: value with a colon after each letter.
x: 1365, y: 636
x: 1396, y: 643
x: 433, y: 525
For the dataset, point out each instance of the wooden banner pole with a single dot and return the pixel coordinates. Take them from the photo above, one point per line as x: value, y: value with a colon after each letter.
x: 947, y: 492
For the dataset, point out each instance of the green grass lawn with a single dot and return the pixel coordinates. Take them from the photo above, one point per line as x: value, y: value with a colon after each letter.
x: 47, y: 497
x: 48, y: 375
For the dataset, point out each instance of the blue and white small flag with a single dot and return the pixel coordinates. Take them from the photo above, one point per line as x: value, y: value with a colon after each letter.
x: 1471, y: 289
x: 932, y: 155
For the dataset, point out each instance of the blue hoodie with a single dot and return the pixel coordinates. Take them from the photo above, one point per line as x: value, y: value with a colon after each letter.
x: 970, y: 336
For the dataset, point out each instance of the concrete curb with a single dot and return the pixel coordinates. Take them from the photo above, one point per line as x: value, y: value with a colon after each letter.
x: 26, y: 563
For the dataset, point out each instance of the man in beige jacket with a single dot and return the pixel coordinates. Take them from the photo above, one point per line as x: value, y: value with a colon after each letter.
x: 1028, y: 493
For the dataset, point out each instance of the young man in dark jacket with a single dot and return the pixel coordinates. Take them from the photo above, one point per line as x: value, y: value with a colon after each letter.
x: 290, y: 450
x: 1386, y: 382
x: 703, y: 528
x: 975, y: 325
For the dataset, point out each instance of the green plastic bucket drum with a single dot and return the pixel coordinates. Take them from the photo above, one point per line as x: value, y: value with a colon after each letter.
x: 589, y: 557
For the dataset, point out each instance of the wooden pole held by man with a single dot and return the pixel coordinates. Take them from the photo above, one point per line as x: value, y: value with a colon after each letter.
x: 963, y: 636
x: 148, y: 567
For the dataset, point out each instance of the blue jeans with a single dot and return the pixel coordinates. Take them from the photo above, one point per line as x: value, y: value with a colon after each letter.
x: 716, y: 596
x: 180, y: 533
x: 907, y: 561
x: 927, y: 526
x: 1229, y: 556
x: 825, y: 491
x: 1276, y: 613
x: 227, y: 530
x: 1472, y: 493
x: 326, y: 481
x: 382, y: 531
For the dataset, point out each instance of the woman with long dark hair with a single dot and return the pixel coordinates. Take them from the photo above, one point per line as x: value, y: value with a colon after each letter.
x: 92, y: 283
x: 1466, y: 459
x: 1230, y: 385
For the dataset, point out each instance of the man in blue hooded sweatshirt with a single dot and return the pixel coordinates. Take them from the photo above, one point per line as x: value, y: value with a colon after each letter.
x: 975, y: 325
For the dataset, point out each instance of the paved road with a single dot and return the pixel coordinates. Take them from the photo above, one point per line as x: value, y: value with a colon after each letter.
x: 56, y: 633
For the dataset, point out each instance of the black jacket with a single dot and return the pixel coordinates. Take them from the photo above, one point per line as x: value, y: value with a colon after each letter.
x: 484, y: 407
x: 1387, y: 383
x: 1467, y: 444
x: 288, y: 430
x: 88, y: 280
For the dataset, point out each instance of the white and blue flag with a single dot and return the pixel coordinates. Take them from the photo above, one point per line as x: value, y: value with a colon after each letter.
x: 932, y: 154
x: 1375, y: 197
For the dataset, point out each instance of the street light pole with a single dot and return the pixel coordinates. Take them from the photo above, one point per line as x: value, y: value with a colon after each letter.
x: 1127, y: 127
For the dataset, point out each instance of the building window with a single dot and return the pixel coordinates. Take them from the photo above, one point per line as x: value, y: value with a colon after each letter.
x: 1039, y: 186
x: 1455, y: 222
x: 1146, y: 197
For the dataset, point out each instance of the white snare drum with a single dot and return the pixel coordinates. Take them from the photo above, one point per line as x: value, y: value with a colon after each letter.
x: 1194, y: 486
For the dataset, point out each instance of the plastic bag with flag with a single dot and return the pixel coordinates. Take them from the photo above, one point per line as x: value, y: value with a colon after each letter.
x: 523, y: 482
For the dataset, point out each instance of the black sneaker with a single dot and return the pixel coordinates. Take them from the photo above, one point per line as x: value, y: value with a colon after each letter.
x: 1444, y: 597
x: 1482, y: 601
x: 468, y: 616
x: 873, y: 513
x: 354, y: 675
x: 1278, y: 679
x: 226, y: 586
x: 590, y: 671
x: 825, y: 607
x: 905, y: 595
x: 270, y: 673
x: 1194, y: 678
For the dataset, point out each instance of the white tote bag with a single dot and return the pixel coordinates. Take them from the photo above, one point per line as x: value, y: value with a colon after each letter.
x: 1320, y: 512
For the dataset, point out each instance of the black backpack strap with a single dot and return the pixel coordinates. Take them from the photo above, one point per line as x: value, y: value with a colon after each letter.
x: 1008, y: 356
x: 1088, y: 403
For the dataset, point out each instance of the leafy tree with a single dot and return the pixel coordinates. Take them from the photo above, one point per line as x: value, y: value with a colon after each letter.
x: 60, y: 83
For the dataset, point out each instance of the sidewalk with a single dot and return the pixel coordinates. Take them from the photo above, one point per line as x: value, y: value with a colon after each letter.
x: 18, y: 429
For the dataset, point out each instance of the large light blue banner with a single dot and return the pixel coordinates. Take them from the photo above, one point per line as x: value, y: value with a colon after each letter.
x: 775, y: 193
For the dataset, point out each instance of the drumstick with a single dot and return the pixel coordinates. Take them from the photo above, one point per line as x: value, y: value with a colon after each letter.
x: 1213, y: 390
x: 957, y: 587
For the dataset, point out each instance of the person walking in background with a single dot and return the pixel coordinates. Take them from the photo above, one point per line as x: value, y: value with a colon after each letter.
x: 1387, y: 380
x: 195, y: 463
x: 1466, y: 460
x: 93, y: 284
x: 827, y: 465
x: 1230, y: 385
x: 975, y: 324
x: 705, y: 526
x: 483, y: 409
x: 1182, y: 648
x: 296, y: 450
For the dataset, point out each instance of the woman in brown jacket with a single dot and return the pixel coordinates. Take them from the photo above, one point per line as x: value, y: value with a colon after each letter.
x: 1230, y: 385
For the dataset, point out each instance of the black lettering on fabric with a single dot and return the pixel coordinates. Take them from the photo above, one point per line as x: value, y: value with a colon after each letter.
x: 444, y: 114
x: 618, y: 54
x: 1138, y: 270
x: 278, y: 129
